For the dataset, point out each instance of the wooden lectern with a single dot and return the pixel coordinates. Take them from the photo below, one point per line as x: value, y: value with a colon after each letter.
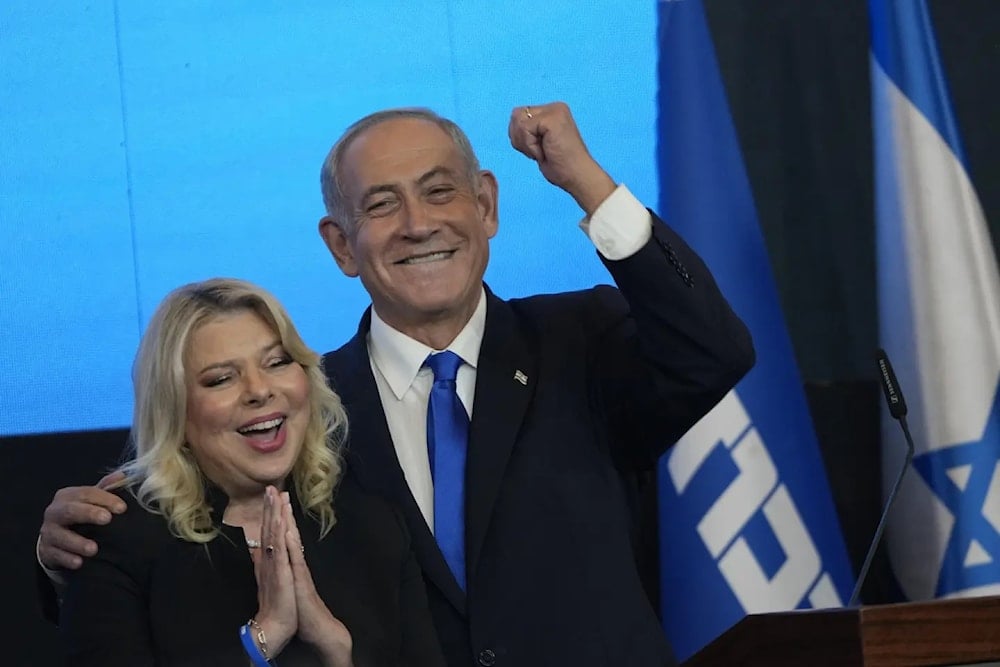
x: 942, y: 632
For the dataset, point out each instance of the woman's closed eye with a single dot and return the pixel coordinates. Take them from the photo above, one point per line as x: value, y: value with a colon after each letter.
x: 216, y: 380
x: 279, y: 361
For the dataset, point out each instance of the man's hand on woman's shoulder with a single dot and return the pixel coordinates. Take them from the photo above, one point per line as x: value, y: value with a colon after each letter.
x: 59, y: 547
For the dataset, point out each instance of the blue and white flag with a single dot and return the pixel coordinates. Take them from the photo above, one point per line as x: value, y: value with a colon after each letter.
x: 939, y: 306
x: 747, y: 523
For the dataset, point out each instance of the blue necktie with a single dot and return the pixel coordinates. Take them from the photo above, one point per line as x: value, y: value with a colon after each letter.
x: 447, y: 439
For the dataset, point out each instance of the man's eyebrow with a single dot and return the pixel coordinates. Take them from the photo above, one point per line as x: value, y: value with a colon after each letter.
x: 435, y: 172
x: 375, y: 189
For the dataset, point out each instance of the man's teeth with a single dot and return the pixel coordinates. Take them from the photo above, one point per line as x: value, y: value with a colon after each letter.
x: 433, y: 257
x: 263, y: 426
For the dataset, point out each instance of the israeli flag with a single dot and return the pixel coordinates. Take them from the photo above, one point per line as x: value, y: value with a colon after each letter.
x: 747, y: 523
x: 939, y: 307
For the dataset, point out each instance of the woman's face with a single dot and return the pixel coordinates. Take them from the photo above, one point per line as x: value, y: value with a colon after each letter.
x: 247, y: 403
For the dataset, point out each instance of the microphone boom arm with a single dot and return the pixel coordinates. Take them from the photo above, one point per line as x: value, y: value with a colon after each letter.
x: 885, y: 515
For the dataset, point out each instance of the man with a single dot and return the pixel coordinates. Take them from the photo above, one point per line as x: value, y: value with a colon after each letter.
x: 525, y: 541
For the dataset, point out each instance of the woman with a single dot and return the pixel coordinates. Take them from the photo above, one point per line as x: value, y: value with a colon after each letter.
x: 231, y: 551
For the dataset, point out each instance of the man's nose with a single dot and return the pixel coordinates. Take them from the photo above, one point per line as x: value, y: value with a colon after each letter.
x: 418, y: 221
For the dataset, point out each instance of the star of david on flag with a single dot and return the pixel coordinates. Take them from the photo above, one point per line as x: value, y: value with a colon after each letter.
x: 965, y: 478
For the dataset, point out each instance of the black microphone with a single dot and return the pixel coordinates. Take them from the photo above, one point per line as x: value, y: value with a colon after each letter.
x: 890, y: 386
x: 897, y: 408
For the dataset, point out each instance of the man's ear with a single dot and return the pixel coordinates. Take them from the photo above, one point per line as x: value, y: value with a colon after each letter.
x: 339, y: 245
x: 487, y: 199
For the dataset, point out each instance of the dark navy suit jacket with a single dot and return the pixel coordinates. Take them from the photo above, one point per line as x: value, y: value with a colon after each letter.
x: 612, y: 378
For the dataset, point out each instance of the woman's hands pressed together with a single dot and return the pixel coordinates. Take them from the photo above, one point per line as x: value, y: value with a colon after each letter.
x: 288, y: 604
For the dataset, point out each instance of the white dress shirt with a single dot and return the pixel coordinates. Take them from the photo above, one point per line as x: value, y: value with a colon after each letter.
x: 404, y: 387
x: 618, y: 228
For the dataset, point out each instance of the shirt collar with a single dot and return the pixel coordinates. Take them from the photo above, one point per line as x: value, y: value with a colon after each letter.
x: 399, y: 357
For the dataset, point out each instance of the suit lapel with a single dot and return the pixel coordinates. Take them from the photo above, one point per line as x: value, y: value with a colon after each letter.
x: 505, y: 380
x: 371, y: 456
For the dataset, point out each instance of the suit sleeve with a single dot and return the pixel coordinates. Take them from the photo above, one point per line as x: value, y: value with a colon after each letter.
x: 104, y: 619
x: 671, y: 350
x: 48, y: 598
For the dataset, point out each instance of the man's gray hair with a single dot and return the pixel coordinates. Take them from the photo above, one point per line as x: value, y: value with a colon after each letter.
x: 331, y: 175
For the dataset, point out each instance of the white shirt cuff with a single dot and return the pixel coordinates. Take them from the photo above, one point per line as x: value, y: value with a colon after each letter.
x: 55, y: 576
x: 620, y: 226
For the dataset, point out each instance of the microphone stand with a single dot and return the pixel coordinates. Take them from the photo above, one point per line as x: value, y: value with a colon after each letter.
x: 885, y: 513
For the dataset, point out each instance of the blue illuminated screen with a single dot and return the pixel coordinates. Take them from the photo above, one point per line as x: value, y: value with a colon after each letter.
x: 145, y: 145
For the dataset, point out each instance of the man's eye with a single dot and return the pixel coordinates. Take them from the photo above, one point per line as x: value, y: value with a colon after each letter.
x: 441, y: 193
x: 379, y: 206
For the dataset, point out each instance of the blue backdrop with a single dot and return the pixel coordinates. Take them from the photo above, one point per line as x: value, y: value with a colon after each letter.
x: 145, y: 145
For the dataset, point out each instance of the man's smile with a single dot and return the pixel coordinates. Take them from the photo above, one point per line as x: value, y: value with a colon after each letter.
x: 424, y: 258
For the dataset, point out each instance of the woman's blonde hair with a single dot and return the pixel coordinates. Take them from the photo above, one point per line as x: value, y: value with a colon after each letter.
x: 162, y: 466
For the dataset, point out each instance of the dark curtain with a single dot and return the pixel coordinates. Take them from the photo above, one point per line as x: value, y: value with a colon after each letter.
x: 797, y: 76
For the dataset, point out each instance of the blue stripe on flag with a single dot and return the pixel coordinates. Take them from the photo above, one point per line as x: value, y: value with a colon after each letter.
x: 902, y: 42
